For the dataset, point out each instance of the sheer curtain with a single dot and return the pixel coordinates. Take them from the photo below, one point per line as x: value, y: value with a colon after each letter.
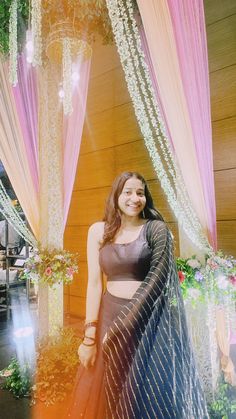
x: 19, y: 135
x: 179, y: 93
x: 25, y: 95
x: 13, y: 152
x: 72, y: 131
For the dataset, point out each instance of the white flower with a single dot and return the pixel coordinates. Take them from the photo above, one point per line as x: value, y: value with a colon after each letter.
x: 37, y: 258
x: 34, y: 277
x: 194, y: 263
x: 59, y: 257
x: 194, y: 293
x: 222, y: 282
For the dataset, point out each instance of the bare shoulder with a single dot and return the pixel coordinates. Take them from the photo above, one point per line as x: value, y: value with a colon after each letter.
x: 96, y: 230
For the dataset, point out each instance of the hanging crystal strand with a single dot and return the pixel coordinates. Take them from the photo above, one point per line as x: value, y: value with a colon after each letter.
x: 67, y: 71
x: 13, y: 43
x: 36, y: 23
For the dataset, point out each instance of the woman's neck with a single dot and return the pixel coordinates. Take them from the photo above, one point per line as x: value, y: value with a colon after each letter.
x: 128, y: 223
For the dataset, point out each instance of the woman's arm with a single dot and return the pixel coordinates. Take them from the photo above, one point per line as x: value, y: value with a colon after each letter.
x: 88, y: 349
x: 94, y: 289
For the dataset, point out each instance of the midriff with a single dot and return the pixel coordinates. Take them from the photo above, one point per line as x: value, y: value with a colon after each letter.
x: 123, y: 289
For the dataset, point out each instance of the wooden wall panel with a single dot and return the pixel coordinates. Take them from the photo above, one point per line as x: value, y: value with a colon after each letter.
x: 226, y: 231
x: 87, y: 206
x: 106, y: 91
x: 225, y: 184
x: 75, y: 239
x: 134, y: 157
x: 224, y: 143
x: 221, y: 38
x: 109, y: 128
x: 218, y: 9
x: 99, y: 167
x: 104, y: 58
x: 223, y: 93
x: 76, y: 306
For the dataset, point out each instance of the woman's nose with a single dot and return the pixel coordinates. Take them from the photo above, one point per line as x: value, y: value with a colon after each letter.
x: 134, y: 197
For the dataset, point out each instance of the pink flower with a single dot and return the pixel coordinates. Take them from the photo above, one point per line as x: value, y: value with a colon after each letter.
x: 7, y: 373
x: 70, y: 271
x: 181, y: 276
x: 48, y: 271
x: 232, y: 279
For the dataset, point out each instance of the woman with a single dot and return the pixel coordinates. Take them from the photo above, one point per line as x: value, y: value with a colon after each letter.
x: 136, y: 352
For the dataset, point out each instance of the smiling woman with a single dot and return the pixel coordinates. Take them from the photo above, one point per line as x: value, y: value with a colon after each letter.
x: 136, y: 351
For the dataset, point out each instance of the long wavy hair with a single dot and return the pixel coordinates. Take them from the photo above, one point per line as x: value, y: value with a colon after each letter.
x: 113, y: 214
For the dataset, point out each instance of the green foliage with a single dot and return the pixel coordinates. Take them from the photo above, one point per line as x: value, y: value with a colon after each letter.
x: 17, y: 379
x: 225, y: 401
x: 23, y: 16
x: 57, y: 363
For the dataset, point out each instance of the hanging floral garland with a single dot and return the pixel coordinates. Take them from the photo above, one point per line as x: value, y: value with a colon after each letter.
x: 148, y: 115
x: 12, y: 216
x: 50, y: 266
x: 13, y: 43
x: 36, y: 27
x: 67, y: 72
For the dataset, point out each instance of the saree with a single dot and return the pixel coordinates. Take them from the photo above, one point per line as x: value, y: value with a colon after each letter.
x: 150, y: 370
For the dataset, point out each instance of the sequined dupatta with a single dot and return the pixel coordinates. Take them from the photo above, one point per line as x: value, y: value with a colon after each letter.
x: 149, y: 364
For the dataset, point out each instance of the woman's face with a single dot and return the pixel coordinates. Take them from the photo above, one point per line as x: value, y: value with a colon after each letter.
x: 132, y: 199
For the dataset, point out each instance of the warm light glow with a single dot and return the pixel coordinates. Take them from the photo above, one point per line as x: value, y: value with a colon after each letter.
x: 75, y: 76
x: 23, y: 332
x: 61, y: 93
x: 29, y: 46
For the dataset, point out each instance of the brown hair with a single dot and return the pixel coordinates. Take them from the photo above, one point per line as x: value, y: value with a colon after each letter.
x: 112, y: 215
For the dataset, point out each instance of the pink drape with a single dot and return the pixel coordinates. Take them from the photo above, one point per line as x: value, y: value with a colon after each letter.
x: 190, y: 37
x: 24, y: 107
x: 25, y: 95
x: 162, y: 46
x: 72, y: 132
x: 13, y: 152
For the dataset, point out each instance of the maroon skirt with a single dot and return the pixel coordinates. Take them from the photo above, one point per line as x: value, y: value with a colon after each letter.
x: 88, y: 397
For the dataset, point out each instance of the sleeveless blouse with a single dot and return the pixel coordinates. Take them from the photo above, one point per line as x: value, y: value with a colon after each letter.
x: 126, y: 261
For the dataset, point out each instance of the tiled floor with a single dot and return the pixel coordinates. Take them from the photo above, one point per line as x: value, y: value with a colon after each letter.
x: 12, y: 344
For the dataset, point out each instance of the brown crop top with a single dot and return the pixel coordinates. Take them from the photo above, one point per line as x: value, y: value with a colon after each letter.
x: 128, y: 261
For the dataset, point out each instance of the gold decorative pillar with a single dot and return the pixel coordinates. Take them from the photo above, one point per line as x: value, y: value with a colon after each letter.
x: 51, y: 191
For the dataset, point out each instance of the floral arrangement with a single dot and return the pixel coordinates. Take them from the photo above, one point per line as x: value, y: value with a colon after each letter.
x: 50, y: 267
x: 217, y: 277
x: 18, y: 379
x: 190, y: 278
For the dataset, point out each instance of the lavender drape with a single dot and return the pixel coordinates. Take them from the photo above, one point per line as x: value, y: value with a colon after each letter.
x: 25, y: 96
x: 72, y: 132
x: 190, y: 36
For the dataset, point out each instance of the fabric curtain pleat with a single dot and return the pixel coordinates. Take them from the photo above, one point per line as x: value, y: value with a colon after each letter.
x: 13, y: 152
x: 168, y: 75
